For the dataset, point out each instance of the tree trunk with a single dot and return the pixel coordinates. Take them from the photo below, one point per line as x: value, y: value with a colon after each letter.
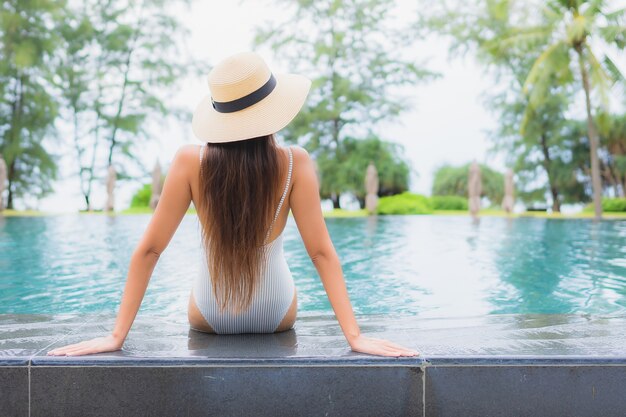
x: 10, y: 185
x: 10, y: 199
x: 556, y: 203
x: 127, y: 65
x: 596, y: 184
x: 335, y: 199
x: 361, y: 201
x: 16, y: 115
x: 547, y: 161
x: 79, y: 156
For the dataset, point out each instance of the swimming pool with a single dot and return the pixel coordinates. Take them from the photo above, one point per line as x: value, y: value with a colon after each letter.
x: 430, y: 266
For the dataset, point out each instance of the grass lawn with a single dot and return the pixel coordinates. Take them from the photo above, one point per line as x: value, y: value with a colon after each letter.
x: 15, y: 213
x: 349, y: 213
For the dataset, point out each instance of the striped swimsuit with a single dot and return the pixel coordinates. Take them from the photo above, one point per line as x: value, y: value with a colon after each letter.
x: 272, y: 298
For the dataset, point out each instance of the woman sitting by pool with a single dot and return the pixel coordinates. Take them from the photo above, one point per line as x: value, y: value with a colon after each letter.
x: 243, y: 185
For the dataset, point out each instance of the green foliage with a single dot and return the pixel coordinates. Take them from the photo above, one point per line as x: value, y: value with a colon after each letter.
x: 339, y: 45
x: 28, y: 108
x: 105, y: 68
x: 452, y: 180
x: 614, y: 204
x: 448, y: 202
x: 343, y: 46
x: 613, y: 160
x: 549, y: 149
x: 542, y: 50
x: 118, y: 64
x: 404, y: 203
x: 344, y: 169
x: 142, y: 197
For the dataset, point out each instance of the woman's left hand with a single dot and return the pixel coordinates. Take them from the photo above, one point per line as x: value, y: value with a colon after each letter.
x: 96, y: 345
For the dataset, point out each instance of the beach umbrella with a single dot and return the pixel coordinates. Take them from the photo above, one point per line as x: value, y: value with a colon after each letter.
x: 157, y: 185
x: 474, y: 188
x: 509, y: 189
x: 111, y: 177
x: 371, y: 187
x: 3, y: 180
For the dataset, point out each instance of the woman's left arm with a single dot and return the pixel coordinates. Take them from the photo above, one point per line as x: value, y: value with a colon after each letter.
x: 173, y: 204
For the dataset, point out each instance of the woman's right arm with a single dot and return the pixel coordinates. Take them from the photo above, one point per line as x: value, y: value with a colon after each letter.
x: 173, y: 204
x: 307, y: 211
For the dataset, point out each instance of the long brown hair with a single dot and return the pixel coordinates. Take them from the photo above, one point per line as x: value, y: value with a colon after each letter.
x: 239, y: 192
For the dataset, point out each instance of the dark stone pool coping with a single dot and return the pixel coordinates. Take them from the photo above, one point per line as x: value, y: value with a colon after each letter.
x: 564, y: 365
x: 94, y: 360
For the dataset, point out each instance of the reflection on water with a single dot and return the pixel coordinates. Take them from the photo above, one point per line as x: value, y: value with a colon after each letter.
x: 434, y: 266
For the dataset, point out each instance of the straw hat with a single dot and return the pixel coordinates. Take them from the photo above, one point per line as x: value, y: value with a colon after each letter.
x: 247, y: 100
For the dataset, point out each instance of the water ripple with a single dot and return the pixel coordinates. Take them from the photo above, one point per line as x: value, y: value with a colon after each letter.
x: 432, y: 266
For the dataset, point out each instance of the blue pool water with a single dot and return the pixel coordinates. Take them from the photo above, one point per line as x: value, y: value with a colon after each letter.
x: 431, y: 266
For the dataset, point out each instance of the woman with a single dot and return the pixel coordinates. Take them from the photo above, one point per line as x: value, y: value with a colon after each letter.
x: 243, y: 185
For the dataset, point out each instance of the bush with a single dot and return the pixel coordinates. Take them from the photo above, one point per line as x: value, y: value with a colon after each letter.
x: 404, y: 203
x: 448, y: 202
x: 614, y: 204
x: 142, y: 197
x: 609, y: 205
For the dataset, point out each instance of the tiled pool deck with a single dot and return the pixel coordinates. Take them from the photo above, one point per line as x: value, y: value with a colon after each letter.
x: 497, y: 365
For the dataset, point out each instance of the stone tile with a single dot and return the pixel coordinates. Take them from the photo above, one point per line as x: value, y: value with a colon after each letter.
x: 226, y: 391
x: 161, y: 338
x: 515, y: 360
x: 13, y: 391
x: 320, y: 336
x: 490, y: 391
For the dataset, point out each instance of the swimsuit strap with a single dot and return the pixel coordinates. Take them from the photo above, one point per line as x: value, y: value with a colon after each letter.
x: 282, y: 198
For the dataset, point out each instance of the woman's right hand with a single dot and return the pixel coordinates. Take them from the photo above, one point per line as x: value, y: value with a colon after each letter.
x: 381, y: 347
x: 96, y: 345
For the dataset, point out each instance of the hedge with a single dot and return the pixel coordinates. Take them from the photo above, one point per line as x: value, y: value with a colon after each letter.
x: 448, y: 202
x: 404, y: 203
x: 615, y: 205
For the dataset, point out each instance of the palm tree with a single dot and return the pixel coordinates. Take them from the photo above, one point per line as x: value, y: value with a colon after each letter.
x: 564, y: 34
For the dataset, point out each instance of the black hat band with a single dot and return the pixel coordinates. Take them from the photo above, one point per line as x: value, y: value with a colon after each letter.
x: 245, y: 101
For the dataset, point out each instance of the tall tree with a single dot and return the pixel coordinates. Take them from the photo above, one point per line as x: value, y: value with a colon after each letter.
x: 563, y: 33
x: 353, y: 52
x: 453, y: 180
x: 120, y: 63
x: 536, y: 47
x: 613, y: 160
x: 345, y: 169
x: 77, y: 64
x: 526, y: 138
x: 548, y: 147
x: 27, y: 107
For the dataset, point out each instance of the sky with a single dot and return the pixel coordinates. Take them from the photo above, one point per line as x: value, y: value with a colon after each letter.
x: 447, y: 123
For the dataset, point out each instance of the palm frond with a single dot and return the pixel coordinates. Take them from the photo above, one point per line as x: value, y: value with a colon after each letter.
x: 614, y: 71
x: 522, y: 37
x: 618, y: 79
x: 614, y: 34
x: 535, y: 70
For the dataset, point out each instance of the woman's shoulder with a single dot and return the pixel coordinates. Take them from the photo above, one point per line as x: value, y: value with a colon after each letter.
x: 187, y: 158
x: 299, y: 153
x: 303, y: 165
x: 188, y: 152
